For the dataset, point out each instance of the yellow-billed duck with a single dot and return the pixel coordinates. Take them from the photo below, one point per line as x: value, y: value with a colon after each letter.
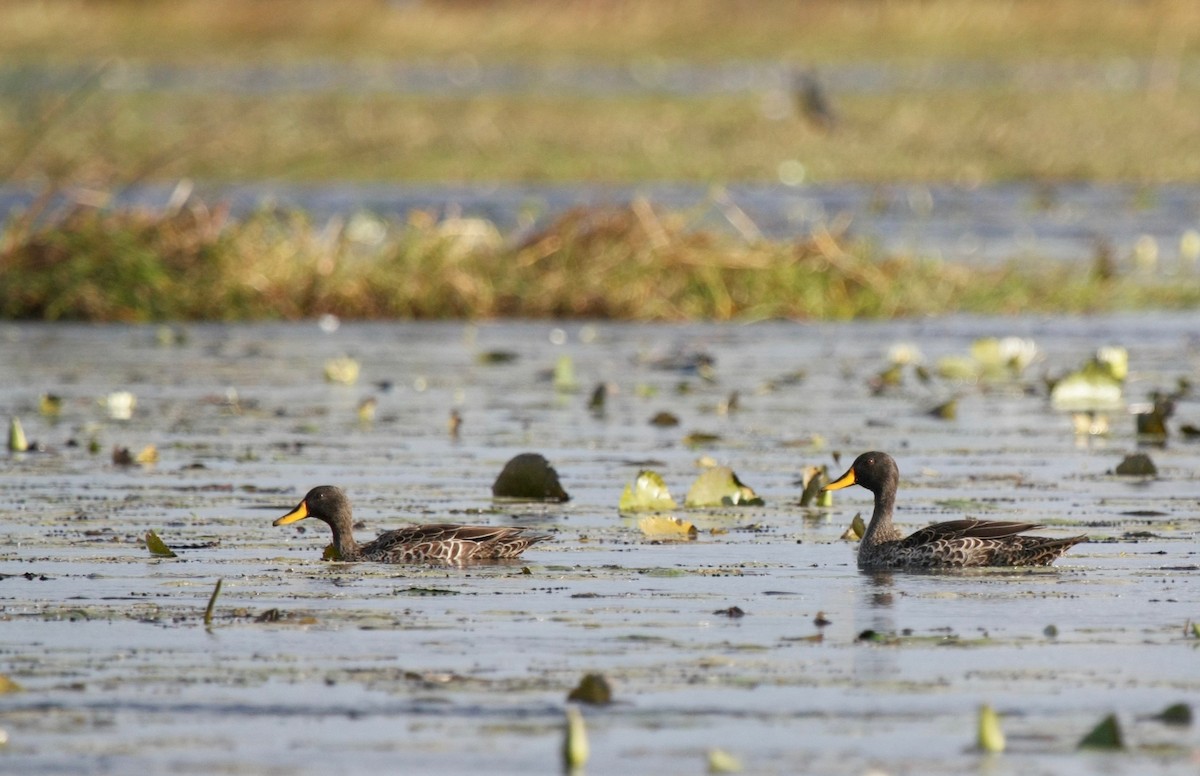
x: 441, y: 542
x: 953, y: 544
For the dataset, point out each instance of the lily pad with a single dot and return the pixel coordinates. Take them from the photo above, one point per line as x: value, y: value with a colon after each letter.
x: 1175, y: 714
x: 529, y: 477
x: 158, y: 548
x: 718, y: 487
x: 342, y: 370
x: 720, y: 761
x: 990, y: 736
x: 17, y: 442
x: 664, y: 419
x: 856, y: 529
x: 666, y: 527
x: 815, y: 478
x: 647, y: 493
x: 1106, y: 735
x: 593, y: 689
x: 1097, y: 386
x: 564, y: 375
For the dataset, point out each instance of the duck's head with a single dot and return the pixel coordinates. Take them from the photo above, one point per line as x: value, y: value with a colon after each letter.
x: 326, y: 503
x: 874, y: 471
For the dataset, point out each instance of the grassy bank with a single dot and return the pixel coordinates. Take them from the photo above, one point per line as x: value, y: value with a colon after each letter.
x: 918, y: 137
x: 817, y: 31
x: 632, y: 263
x: 108, y: 130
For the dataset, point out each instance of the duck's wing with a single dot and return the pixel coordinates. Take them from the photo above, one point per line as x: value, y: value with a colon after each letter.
x: 450, y: 542
x: 967, y: 529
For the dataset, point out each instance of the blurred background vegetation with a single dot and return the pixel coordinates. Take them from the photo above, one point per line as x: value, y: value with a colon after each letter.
x: 97, y: 95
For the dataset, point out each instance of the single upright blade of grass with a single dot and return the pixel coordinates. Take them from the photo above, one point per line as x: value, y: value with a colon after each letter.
x: 158, y: 548
x: 212, y: 601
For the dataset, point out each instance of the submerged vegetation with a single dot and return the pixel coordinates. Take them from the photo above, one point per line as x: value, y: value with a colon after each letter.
x: 195, y: 262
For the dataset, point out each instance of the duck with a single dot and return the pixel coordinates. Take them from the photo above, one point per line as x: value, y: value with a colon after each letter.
x: 954, y: 544
x: 433, y: 542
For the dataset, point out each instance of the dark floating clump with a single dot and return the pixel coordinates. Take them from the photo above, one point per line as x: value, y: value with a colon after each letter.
x: 1137, y: 465
x: 1106, y: 735
x: 732, y: 612
x: 529, y: 477
x: 593, y: 689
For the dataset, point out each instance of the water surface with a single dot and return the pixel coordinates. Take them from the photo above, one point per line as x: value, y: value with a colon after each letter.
x: 465, y: 670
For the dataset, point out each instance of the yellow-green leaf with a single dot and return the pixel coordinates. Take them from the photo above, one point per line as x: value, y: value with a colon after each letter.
x: 991, y: 736
x: 158, y: 547
x: 647, y: 492
x: 666, y: 527
x: 718, y: 487
x: 575, y: 741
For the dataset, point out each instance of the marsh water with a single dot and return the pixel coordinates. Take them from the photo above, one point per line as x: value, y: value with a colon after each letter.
x: 312, y: 667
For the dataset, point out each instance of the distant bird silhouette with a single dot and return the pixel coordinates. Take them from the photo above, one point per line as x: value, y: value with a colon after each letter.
x: 812, y: 101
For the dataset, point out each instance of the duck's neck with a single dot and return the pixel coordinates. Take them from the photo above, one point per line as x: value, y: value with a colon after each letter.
x: 880, y: 529
x: 343, y: 541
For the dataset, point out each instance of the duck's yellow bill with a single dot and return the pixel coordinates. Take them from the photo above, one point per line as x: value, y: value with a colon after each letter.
x: 845, y: 481
x: 299, y: 513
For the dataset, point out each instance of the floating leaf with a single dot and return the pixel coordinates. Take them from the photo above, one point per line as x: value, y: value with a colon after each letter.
x: 990, y: 737
x: 17, y: 442
x: 120, y: 405
x: 1106, y: 735
x: 720, y: 761
x: 148, y: 454
x: 814, y: 478
x: 158, y: 547
x: 718, y: 487
x: 366, y: 410
x: 958, y: 368
x: 701, y: 439
x: 496, y: 357
x: 856, y: 529
x: 564, y: 375
x: 454, y: 423
x: 1175, y: 714
x: 50, y: 405
x: 599, y: 398
x: 7, y: 685
x: 664, y: 420
x: 1154, y: 422
x: 647, y: 493
x: 212, y: 602
x: 947, y: 410
x: 666, y: 527
x: 1137, y: 465
x: 529, y: 477
x: 1097, y: 386
x: 593, y: 689
x: 342, y: 370
x: 575, y: 742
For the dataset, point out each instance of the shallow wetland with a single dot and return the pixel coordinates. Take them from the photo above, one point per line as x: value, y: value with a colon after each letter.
x: 310, y: 666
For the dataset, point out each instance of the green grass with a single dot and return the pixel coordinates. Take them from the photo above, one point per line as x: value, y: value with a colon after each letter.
x: 619, y: 263
x: 597, y: 30
x: 962, y: 137
x: 104, y: 138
